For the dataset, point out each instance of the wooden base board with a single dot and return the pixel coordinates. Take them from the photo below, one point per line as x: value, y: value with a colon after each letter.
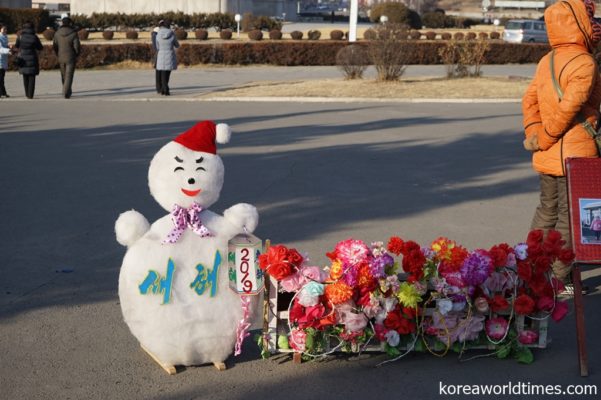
x: 220, y: 366
x: 170, y: 369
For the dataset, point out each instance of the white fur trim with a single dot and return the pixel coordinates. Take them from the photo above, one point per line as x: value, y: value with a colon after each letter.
x: 130, y: 226
x: 224, y: 133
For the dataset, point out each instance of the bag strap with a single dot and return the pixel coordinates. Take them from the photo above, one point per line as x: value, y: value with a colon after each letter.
x: 579, y: 117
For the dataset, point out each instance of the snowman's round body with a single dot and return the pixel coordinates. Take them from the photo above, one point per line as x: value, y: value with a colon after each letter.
x: 173, y: 284
x: 193, y: 321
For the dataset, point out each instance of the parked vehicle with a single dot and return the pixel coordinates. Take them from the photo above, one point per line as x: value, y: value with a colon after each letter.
x: 525, y: 31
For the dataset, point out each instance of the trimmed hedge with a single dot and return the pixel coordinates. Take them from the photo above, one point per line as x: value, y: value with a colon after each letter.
x: 307, y: 52
x: 14, y: 18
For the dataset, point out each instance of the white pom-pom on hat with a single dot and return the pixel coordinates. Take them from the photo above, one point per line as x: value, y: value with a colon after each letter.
x: 224, y: 133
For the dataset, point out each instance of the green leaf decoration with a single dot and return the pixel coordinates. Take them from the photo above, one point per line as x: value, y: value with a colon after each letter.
x: 231, y: 257
x: 310, y: 340
x: 232, y: 275
x: 524, y: 355
x: 503, y: 351
x: 392, y: 351
x: 439, y: 346
x: 419, y: 346
x: 283, y: 342
x: 456, y: 347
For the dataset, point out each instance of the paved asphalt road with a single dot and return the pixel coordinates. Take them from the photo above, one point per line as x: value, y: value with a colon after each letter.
x: 318, y: 173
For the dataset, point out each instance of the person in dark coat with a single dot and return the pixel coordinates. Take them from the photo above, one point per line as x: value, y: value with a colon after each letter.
x: 166, y: 43
x: 28, y: 44
x: 67, y: 47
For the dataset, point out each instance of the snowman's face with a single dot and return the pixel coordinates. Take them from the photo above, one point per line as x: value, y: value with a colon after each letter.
x: 178, y: 175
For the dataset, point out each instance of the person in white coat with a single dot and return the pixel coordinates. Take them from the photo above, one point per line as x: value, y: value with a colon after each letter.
x: 4, y: 52
x: 166, y: 43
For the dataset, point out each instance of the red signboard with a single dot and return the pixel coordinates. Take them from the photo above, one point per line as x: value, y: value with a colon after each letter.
x: 584, y: 194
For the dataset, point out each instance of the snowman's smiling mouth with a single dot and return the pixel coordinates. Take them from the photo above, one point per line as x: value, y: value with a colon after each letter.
x: 191, y: 193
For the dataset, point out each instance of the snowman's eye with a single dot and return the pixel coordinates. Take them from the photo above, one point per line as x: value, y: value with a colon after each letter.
x: 178, y: 169
x: 200, y: 169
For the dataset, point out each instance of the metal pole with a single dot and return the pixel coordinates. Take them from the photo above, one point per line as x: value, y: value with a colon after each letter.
x: 352, y: 33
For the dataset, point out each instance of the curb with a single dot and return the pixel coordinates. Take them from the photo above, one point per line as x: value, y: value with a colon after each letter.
x: 274, y: 100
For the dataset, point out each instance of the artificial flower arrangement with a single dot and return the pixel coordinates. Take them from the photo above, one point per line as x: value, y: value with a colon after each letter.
x: 445, y: 298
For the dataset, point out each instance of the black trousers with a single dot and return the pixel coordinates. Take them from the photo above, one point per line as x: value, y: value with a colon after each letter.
x: 29, y: 84
x: 157, y: 79
x: 2, y: 88
x: 67, y: 71
x: 165, y: 82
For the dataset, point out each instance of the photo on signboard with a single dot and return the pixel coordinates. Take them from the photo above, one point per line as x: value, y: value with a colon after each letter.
x: 590, y: 221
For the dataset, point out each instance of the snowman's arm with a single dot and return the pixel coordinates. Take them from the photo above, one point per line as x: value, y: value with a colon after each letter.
x: 241, y: 218
x: 130, y: 226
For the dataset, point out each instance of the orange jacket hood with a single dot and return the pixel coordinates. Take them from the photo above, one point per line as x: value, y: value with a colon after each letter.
x: 568, y: 24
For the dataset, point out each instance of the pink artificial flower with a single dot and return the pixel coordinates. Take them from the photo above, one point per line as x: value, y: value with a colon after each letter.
x: 454, y: 279
x: 496, y: 328
x: 481, y: 304
x: 560, y: 311
x: 292, y: 283
x: 380, y: 331
x: 354, y: 322
x: 313, y: 274
x: 352, y: 252
x: 527, y: 337
x: 298, y: 339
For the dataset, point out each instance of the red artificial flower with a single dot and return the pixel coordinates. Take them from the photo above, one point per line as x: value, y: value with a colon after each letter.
x: 398, y: 320
x: 499, y: 254
x: 364, y: 278
x: 395, y: 244
x: 560, y: 311
x: 539, y: 284
x: 328, y: 320
x: 524, y: 270
x: 296, y: 311
x: 275, y: 262
x: 307, y: 317
x: 566, y: 256
x: 535, y: 237
x: 542, y: 264
x: 523, y: 305
x: 295, y: 258
x: 498, y: 303
x: 554, y: 238
x: 545, y: 303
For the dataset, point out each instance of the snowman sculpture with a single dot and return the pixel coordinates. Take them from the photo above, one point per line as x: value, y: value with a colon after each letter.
x: 173, y: 284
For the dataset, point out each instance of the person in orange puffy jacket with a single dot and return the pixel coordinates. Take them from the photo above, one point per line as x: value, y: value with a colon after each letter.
x: 552, y: 127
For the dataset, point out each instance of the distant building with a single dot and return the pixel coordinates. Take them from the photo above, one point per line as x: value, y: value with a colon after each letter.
x: 53, y: 7
x: 15, y: 3
x: 275, y: 8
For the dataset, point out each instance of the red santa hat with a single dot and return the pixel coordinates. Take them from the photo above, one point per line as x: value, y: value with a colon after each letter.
x: 204, y: 135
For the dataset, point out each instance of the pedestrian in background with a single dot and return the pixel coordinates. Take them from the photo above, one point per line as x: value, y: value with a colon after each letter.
x: 562, y: 98
x: 28, y: 44
x: 166, y: 43
x: 67, y: 47
x: 4, y: 52
x: 157, y: 74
